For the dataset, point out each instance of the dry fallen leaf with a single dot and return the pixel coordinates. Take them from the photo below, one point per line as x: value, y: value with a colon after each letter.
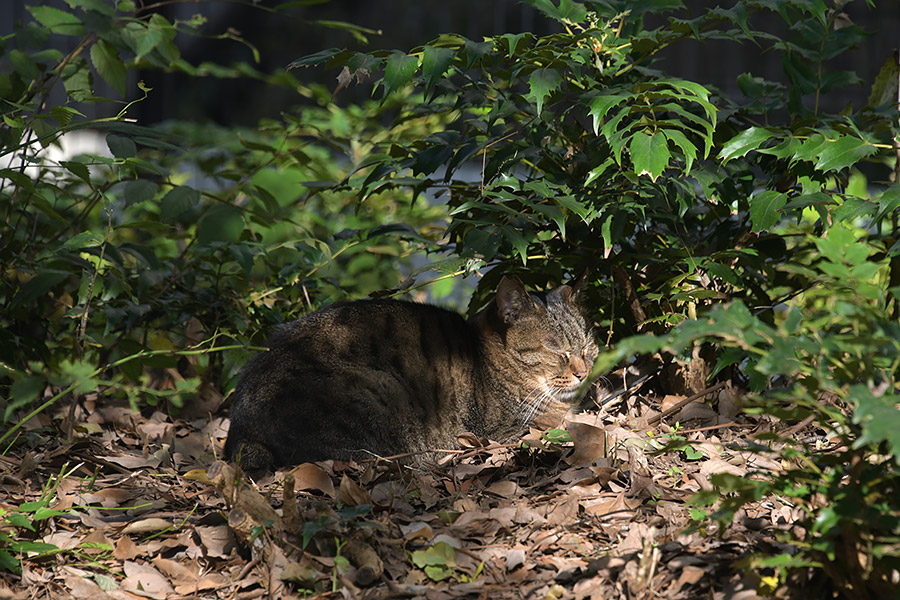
x: 309, y: 476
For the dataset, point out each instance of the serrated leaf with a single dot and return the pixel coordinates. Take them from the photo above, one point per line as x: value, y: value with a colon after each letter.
x: 64, y: 114
x: 23, y: 65
x: 888, y: 201
x: 744, y: 142
x: 80, y: 373
x: 104, y: 7
x: 317, y: 58
x: 764, y: 209
x: 884, y: 88
x: 37, y: 286
x: 84, y: 239
x: 649, y: 153
x: 568, y: 11
x: 120, y: 146
x: 105, y: 59
x: 143, y: 38
x: 843, y: 153
x: 140, y: 190
x: 78, y: 169
x: 542, y: 83
x: 878, y: 417
x: 853, y: 208
x: 600, y: 105
x: 56, y: 20
x: 398, y: 71
x: 687, y: 148
x: 435, y: 62
x: 221, y: 223
x: 176, y: 201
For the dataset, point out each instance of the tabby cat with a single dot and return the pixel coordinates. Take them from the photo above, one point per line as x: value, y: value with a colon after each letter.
x: 389, y: 377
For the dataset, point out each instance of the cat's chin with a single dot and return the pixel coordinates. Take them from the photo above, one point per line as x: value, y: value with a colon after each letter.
x: 568, y: 395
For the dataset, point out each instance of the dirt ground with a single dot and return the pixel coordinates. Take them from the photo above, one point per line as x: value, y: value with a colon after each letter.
x: 139, y: 507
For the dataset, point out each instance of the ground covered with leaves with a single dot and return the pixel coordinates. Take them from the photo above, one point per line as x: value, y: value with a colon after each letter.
x: 137, y: 506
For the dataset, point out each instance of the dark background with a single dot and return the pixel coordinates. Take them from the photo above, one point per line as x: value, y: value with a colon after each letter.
x: 283, y: 37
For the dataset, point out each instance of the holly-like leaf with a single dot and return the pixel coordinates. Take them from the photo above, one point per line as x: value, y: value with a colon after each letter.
x: 649, y: 153
x: 843, y: 153
x: 765, y: 209
x: 744, y: 142
x: 398, y: 71
x: 435, y: 62
x: 600, y: 105
x: 542, y: 83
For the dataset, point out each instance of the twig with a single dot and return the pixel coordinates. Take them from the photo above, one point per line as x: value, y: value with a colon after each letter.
x: 679, y: 405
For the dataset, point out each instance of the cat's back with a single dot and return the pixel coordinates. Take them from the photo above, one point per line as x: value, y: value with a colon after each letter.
x: 372, y: 331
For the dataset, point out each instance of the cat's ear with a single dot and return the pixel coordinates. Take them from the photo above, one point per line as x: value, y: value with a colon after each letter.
x: 513, y: 300
x: 571, y: 292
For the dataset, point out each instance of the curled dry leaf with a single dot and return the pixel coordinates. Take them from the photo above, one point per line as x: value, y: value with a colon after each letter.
x: 351, y: 494
x: 309, y: 476
x: 151, y: 525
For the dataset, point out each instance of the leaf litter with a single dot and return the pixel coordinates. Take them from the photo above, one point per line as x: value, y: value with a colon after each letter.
x: 140, y: 507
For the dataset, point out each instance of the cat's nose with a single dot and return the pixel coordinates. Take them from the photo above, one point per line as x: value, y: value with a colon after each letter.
x: 578, y: 366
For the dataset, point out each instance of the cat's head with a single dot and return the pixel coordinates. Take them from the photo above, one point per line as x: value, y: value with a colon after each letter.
x: 546, y: 339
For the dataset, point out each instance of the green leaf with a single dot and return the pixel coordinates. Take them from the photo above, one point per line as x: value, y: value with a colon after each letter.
x: 687, y: 148
x: 765, y: 207
x: 649, y: 153
x: 888, y: 201
x: 8, y: 562
x: 843, y: 153
x: 120, y: 146
x: 852, y: 209
x: 37, y: 286
x: 317, y: 58
x: 435, y: 62
x: 23, y: 65
x: 744, y: 142
x: 56, y: 20
x: 398, y: 71
x: 78, y: 169
x: 600, y: 105
x: 84, y: 239
x: 177, y: 201
x: 141, y: 190
x: 221, y: 223
x: 884, y: 89
x: 879, y: 418
x: 105, y: 59
x: 568, y: 11
x: 541, y: 83
x: 78, y: 372
x: 23, y: 392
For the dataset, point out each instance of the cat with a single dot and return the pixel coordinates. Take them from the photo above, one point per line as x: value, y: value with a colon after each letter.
x: 391, y: 377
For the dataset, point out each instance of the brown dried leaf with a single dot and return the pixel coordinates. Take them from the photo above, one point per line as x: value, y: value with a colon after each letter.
x: 217, y: 540
x: 126, y: 549
x: 309, y: 476
x: 351, y: 494
x: 151, y: 525
x: 145, y: 581
x: 590, y: 444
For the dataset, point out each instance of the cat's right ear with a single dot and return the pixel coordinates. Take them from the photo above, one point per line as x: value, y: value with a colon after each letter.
x: 512, y: 300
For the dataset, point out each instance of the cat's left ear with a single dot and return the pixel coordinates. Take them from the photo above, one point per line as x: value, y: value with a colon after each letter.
x: 571, y: 292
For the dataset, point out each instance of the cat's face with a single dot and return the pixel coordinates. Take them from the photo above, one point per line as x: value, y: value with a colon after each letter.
x: 549, y: 343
